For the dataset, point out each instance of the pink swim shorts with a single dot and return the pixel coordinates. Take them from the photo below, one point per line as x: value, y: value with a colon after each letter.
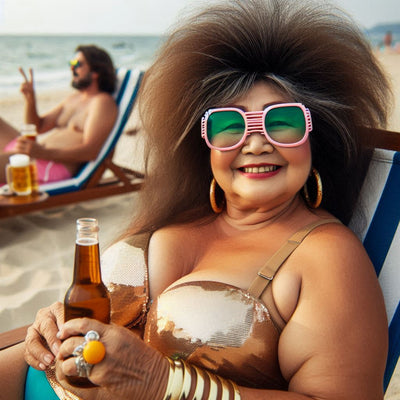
x: 48, y: 171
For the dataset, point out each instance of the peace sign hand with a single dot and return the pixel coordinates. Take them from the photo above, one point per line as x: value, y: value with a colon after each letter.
x: 27, y: 86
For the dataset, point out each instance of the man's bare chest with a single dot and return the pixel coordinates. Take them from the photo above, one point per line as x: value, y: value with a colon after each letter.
x: 73, y: 116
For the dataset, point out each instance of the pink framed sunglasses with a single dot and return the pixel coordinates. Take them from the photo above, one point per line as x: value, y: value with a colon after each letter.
x: 284, y: 125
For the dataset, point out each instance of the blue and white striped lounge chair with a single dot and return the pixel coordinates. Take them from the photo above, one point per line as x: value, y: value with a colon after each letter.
x: 377, y: 225
x: 87, y: 184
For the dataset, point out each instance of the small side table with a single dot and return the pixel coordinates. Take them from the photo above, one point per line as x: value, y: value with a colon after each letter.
x: 14, y: 200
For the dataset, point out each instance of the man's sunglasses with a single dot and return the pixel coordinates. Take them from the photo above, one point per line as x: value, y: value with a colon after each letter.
x: 284, y: 125
x: 75, y: 63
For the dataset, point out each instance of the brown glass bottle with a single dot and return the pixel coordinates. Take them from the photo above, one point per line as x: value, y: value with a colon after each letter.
x: 87, y: 296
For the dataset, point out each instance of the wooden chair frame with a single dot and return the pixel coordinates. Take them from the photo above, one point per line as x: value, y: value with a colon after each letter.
x: 90, y: 184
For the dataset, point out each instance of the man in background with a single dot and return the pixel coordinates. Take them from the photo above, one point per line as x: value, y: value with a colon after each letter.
x: 75, y: 129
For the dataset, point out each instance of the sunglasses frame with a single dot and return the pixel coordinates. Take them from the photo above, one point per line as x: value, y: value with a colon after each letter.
x: 75, y: 63
x: 254, y: 123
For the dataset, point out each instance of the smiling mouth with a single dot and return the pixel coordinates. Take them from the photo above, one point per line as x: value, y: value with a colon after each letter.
x: 259, y: 170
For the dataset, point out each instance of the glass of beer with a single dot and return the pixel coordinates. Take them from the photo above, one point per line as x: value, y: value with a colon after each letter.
x: 29, y: 131
x: 19, y: 175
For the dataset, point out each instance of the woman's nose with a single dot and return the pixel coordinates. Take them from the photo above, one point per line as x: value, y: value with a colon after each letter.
x: 257, y: 143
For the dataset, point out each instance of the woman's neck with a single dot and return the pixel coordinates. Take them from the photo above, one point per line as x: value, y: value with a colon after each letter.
x: 260, y: 217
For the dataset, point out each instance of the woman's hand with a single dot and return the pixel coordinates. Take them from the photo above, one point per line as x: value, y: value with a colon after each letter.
x: 41, y: 342
x: 130, y: 367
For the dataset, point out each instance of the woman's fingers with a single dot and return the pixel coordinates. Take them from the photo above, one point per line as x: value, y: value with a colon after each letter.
x: 36, y: 354
x: 81, y: 326
x: 41, y: 342
x: 68, y: 346
x: 48, y: 324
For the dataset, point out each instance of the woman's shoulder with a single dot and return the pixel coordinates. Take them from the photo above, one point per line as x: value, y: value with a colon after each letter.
x: 334, y: 250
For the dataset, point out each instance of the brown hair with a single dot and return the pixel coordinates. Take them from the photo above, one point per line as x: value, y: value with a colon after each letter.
x: 312, y: 51
x: 99, y: 61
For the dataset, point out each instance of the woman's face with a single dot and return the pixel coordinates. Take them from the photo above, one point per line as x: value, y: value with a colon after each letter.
x: 258, y: 174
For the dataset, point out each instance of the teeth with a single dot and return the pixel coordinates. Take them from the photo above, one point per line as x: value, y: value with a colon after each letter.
x: 260, y: 170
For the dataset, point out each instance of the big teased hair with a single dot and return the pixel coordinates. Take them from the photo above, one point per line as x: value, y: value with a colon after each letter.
x: 100, y: 61
x: 313, y: 51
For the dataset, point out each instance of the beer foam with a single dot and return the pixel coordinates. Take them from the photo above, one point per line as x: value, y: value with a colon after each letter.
x: 19, y: 160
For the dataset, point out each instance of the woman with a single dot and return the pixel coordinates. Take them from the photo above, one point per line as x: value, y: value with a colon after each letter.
x: 257, y: 100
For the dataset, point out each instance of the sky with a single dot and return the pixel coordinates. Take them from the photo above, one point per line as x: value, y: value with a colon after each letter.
x: 140, y: 16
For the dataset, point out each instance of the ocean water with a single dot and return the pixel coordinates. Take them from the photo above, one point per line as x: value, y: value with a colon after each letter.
x: 49, y: 56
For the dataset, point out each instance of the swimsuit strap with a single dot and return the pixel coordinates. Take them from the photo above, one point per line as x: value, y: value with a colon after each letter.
x: 268, y: 271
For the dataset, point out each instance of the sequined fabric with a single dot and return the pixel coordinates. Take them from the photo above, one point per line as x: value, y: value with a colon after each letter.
x: 124, y: 272
x: 218, y: 327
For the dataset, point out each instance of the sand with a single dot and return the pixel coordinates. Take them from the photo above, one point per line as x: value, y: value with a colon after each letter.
x: 37, y: 250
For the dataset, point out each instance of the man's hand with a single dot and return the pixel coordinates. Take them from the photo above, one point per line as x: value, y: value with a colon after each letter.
x: 27, y: 86
x: 23, y: 145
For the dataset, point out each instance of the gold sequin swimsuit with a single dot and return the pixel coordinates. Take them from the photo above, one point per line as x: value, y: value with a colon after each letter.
x: 215, y: 326
x: 222, y: 328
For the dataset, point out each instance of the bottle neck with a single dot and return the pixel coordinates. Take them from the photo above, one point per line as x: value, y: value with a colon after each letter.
x: 87, y: 262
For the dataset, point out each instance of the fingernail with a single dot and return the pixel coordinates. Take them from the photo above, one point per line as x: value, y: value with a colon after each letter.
x: 56, y: 348
x: 58, y: 335
x: 42, y: 366
x: 48, y: 358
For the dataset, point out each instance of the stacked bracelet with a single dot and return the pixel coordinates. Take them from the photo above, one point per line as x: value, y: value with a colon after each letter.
x: 181, y: 376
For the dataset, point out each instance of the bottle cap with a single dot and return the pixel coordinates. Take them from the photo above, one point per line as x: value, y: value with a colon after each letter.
x: 19, y: 160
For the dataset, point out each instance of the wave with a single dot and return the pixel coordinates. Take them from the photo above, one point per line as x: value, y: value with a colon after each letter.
x: 49, y: 56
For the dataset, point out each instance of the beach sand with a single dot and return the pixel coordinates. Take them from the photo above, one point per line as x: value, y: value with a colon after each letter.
x: 37, y: 250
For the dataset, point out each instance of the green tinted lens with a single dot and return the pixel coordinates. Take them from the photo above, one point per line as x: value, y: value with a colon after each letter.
x: 285, y: 124
x: 225, y: 128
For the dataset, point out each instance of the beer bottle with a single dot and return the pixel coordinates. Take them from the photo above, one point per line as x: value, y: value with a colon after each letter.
x: 87, y: 296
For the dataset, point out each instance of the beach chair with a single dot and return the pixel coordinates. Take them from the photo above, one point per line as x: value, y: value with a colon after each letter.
x: 376, y: 222
x: 90, y: 183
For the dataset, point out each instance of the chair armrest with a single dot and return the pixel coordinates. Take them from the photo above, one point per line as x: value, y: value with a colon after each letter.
x: 12, y: 337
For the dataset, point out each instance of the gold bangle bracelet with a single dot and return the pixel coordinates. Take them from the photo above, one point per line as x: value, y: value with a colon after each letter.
x: 199, y: 390
x: 226, y: 392
x: 167, y: 395
x: 180, y: 380
x: 236, y: 391
x: 175, y: 380
x: 187, y: 381
x: 213, y: 390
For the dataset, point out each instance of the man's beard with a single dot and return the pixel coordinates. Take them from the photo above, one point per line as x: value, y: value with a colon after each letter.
x: 83, y: 83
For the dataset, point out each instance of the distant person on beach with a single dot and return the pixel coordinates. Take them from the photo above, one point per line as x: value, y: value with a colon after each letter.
x: 387, y: 45
x: 76, y: 128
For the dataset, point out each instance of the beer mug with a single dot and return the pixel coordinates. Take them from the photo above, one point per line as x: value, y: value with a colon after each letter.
x: 29, y: 131
x: 19, y: 175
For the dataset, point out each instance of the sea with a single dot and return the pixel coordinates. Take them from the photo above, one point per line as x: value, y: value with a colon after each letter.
x: 48, y: 55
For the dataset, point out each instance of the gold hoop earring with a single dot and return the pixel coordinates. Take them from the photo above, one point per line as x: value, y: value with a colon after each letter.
x: 318, y: 198
x: 217, y: 209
